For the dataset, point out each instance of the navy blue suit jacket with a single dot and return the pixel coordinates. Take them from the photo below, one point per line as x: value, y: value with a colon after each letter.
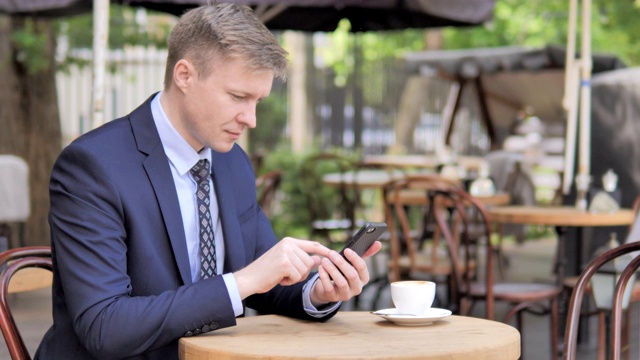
x: 122, y: 283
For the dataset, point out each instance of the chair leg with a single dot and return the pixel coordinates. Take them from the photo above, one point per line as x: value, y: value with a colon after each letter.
x: 625, y: 346
x: 554, y: 328
x: 602, y: 335
x: 520, y: 327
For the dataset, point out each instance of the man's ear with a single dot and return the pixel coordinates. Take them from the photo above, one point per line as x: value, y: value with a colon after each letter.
x: 183, y: 74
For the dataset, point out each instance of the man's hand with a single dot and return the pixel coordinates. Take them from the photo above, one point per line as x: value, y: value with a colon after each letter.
x: 339, y: 280
x: 288, y: 262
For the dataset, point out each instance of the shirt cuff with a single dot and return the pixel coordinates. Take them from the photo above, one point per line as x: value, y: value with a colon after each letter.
x: 308, y: 306
x: 234, y: 293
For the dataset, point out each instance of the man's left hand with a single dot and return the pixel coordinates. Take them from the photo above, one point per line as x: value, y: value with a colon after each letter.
x: 340, y: 280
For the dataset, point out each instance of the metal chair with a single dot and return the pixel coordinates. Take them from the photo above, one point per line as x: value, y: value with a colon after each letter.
x: 469, y: 286
x: 406, y: 204
x: 569, y: 284
x: 12, y: 261
x: 581, y: 288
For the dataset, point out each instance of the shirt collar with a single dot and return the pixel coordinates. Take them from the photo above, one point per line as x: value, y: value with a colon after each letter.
x: 177, y: 149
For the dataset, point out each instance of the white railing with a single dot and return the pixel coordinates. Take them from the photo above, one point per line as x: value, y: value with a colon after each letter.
x: 133, y: 74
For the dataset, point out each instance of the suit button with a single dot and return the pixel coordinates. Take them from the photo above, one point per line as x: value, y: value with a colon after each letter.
x: 188, y: 333
x: 213, y: 325
x: 206, y: 328
x: 197, y: 332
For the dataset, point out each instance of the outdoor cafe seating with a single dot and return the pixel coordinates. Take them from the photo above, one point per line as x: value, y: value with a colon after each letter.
x: 474, y: 283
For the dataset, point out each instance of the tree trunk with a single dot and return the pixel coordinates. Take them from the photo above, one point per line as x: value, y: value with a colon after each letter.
x: 29, y: 116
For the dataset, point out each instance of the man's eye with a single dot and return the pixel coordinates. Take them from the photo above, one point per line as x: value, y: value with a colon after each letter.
x: 237, y: 97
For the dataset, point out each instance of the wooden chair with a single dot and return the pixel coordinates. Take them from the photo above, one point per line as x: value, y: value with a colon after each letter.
x: 331, y: 209
x: 569, y: 284
x: 415, y: 247
x: 469, y: 285
x: 581, y: 288
x: 267, y: 186
x: 12, y: 261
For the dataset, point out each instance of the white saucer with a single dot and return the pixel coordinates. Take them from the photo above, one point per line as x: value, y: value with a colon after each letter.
x: 430, y: 316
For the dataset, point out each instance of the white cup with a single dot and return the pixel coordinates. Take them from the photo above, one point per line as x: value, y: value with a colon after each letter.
x: 413, y: 297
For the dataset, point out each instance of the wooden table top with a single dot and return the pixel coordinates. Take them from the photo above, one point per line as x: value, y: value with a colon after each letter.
x: 30, y: 279
x: 355, y: 335
x: 372, y: 179
x: 558, y: 216
x: 418, y: 197
x: 421, y: 161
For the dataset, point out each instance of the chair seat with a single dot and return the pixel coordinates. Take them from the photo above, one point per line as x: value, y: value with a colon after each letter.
x: 517, y: 292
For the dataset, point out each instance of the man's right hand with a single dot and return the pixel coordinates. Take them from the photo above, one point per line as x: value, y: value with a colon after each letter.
x: 288, y: 262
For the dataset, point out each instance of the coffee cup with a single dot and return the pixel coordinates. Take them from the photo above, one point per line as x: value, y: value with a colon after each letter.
x: 413, y: 297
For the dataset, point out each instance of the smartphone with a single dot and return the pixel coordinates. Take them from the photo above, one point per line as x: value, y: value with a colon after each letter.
x: 365, y: 237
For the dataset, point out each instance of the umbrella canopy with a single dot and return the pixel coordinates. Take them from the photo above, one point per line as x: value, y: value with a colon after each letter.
x: 303, y: 15
x: 510, y: 79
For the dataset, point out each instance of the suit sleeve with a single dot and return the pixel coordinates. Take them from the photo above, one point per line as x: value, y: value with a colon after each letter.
x: 281, y: 300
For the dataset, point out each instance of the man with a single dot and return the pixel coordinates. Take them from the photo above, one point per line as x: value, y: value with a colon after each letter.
x: 148, y: 244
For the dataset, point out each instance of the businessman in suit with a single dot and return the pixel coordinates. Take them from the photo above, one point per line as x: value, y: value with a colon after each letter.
x: 149, y: 243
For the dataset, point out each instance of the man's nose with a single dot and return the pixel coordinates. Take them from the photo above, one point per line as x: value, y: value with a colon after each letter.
x: 248, y: 116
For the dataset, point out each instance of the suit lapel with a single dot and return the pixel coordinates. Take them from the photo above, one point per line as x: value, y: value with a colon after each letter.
x: 234, y: 251
x: 157, y: 167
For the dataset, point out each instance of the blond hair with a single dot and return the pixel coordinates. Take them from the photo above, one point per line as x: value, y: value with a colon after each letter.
x: 218, y: 32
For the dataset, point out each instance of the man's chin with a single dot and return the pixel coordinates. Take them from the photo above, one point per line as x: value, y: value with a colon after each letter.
x: 223, y: 148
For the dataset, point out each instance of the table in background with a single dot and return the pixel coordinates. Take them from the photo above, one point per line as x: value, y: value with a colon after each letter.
x: 421, y: 161
x: 363, y: 179
x: 560, y: 216
x: 354, y: 335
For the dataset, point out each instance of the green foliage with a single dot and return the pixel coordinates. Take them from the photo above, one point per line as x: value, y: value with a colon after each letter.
x: 542, y: 22
x: 376, y: 46
x: 290, y: 218
x: 31, y: 47
x: 271, y: 121
x: 124, y: 29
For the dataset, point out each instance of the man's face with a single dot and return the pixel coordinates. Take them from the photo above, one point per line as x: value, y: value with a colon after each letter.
x: 218, y: 108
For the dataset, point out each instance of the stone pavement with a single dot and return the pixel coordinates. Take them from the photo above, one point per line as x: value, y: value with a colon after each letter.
x: 532, y: 260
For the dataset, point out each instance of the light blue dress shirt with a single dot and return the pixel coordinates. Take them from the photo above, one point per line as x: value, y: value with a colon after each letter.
x: 182, y: 157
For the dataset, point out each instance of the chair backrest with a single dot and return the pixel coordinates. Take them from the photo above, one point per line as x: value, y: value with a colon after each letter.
x: 575, y: 303
x: 457, y: 204
x: 399, y: 197
x: 12, y: 261
x: 267, y: 186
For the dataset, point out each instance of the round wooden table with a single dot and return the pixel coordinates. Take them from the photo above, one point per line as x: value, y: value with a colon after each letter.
x: 355, y: 335
x: 563, y: 217
x: 560, y: 216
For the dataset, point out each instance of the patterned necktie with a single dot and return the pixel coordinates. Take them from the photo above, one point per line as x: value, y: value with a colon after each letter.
x: 200, y: 173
